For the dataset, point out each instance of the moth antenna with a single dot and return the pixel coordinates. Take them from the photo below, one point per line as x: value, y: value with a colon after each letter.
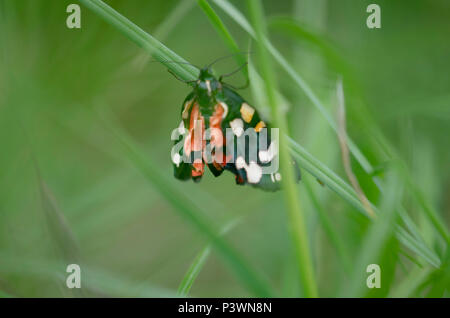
x: 237, y: 88
x: 227, y: 56
x: 233, y: 72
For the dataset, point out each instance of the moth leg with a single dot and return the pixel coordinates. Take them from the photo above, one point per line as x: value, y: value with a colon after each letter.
x: 178, y: 78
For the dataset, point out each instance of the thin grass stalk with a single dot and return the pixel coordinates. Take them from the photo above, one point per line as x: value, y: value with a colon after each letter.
x: 158, y: 50
x: 199, y: 262
x: 359, y: 156
x: 310, y: 163
x: 224, y: 34
x: 189, y: 210
x: 296, y: 217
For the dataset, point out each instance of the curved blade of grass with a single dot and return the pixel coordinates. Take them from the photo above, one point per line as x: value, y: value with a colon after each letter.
x: 242, y: 21
x: 193, y: 271
x: 199, y: 261
x: 362, y: 160
x: 329, y: 229
x: 61, y: 233
x: 96, y: 281
x: 325, y: 175
x: 409, y: 285
x: 417, y: 246
x: 171, y: 20
x: 378, y: 235
x: 182, y: 204
x: 335, y: 183
x: 297, y: 30
x: 257, y: 88
x: 187, y: 73
x: 293, y: 28
x: 197, y: 264
x: 199, y: 195
x: 158, y: 50
x: 430, y: 212
x: 188, y: 210
x: 165, y: 28
x: 296, y: 218
x: 224, y: 34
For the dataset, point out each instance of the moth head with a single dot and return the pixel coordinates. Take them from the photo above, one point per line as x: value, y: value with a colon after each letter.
x: 207, y: 84
x: 206, y: 73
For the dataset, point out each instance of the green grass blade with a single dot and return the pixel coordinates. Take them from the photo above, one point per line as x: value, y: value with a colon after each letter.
x: 296, y: 218
x: 181, y: 203
x: 187, y: 72
x: 325, y: 175
x: 189, y: 210
x: 60, y: 231
x: 224, y: 34
x: 430, y: 212
x: 378, y: 235
x: 329, y: 228
x: 61, y: 234
x: 417, y: 247
x: 242, y: 21
x: 193, y: 271
x: 362, y: 160
x: 257, y: 88
x: 410, y: 284
x: 197, y: 264
x: 163, y: 30
x: 155, y: 48
x: 295, y: 29
x: 336, y: 184
x: 179, y: 11
x: 96, y: 281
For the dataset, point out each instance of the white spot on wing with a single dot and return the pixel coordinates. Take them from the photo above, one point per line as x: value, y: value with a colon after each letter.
x: 254, y: 172
x: 181, y: 128
x: 240, y: 162
x: 237, y: 125
x: 176, y: 159
x: 269, y: 154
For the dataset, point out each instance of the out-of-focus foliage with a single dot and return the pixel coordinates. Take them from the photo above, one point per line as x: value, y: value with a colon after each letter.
x: 68, y: 193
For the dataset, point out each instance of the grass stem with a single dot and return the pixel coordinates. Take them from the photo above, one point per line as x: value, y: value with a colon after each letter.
x: 296, y: 217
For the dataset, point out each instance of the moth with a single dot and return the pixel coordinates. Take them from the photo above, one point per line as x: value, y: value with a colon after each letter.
x: 220, y: 130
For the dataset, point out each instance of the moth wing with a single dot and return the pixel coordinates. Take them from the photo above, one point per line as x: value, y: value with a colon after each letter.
x: 241, y: 114
x: 182, y: 169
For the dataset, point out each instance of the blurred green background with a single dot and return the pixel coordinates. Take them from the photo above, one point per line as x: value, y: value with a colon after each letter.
x: 68, y: 192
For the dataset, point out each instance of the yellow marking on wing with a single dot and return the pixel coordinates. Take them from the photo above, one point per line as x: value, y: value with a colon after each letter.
x: 247, y: 112
x: 260, y: 126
